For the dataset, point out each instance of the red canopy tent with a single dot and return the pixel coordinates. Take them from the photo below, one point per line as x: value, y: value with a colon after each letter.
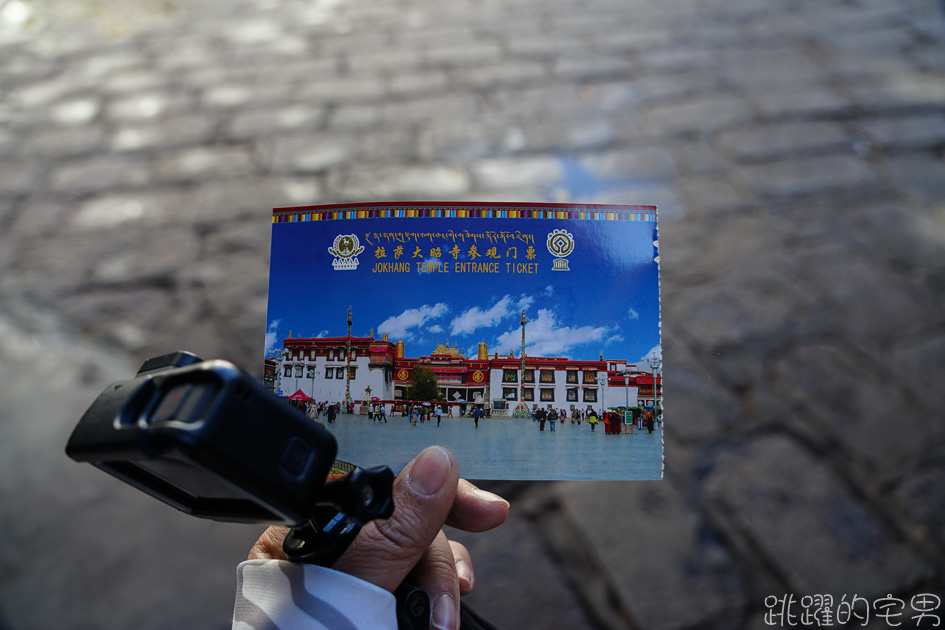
x: 299, y: 396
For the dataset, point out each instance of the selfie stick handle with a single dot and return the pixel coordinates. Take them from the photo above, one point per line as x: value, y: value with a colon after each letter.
x: 350, y: 502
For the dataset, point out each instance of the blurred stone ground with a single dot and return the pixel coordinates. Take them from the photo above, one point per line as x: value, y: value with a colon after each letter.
x: 795, y: 149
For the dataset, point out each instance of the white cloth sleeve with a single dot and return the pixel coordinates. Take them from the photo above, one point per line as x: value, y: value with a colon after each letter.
x: 283, y: 595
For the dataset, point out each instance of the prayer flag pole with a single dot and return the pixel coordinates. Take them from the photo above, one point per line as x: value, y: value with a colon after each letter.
x: 521, y: 411
x: 348, y: 364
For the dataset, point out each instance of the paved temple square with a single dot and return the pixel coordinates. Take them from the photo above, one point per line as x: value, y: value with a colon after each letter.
x: 500, y: 444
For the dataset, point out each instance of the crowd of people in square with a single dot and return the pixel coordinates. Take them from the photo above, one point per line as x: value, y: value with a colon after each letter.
x: 613, y: 420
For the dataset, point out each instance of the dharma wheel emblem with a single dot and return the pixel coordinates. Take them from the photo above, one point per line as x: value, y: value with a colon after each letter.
x: 345, y: 249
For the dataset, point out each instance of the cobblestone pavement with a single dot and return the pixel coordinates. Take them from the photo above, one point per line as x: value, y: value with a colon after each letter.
x: 795, y: 149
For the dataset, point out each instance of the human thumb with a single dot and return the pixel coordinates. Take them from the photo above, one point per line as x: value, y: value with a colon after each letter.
x: 386, y: 550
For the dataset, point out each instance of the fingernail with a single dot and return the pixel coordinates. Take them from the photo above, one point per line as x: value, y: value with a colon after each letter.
x: 444, y: 612
x: 464, y: 573
x: 489, y: 497
x: 430, y: 471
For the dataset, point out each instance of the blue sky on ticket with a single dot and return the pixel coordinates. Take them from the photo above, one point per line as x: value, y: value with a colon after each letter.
x: 431, y: 281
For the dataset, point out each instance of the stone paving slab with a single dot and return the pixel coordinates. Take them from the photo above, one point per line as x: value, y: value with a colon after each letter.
x: 638, y: 527
x: 797, y: 152
x: 832, y: 543
x: 507, y: 574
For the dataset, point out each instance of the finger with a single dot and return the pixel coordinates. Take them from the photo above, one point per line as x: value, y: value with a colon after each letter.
x: 476, y: 510
x: 269, y: 545
x: 386, y: 550
x: 436, y: 574
x: 464, y: 567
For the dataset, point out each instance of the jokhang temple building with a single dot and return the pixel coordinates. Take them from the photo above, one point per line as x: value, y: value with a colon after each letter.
x: 379, y: 370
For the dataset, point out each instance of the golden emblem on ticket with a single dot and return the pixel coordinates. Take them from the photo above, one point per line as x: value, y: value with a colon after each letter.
x: 345, y: 249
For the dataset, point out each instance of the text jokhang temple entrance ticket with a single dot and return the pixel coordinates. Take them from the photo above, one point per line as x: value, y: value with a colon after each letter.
x: 523, y: 337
